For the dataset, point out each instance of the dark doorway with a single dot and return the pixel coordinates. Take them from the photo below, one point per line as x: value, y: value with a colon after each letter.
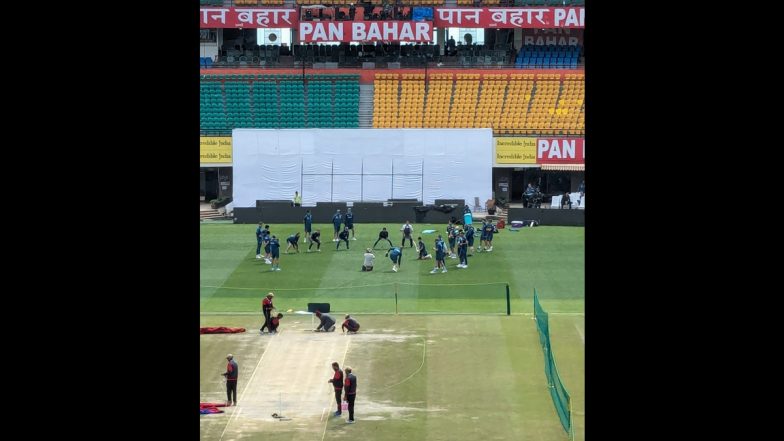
x: 210, y: 184
x: 518, y: 185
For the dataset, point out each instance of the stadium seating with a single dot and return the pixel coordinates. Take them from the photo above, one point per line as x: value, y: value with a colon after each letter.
x: 547, y: 104
x: 548, y: 57
x: 229, y: 101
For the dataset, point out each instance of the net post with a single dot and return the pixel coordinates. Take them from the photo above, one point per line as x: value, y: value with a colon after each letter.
x: 396, y: 310
x: 508, y: 301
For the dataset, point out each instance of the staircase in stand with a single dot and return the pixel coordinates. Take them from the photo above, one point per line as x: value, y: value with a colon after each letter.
x: 366, y: 106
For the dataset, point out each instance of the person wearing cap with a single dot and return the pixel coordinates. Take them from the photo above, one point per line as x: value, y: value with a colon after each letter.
x: 337, y: 219
x: 462, y: 249
x: 231, y: 374
x: 350, y: 390
x: 266, y: 308
x: 327, y: 322
x: 350, y: 324
x: 370, y: 258
x: 274, y: 323
x: 337, y: 383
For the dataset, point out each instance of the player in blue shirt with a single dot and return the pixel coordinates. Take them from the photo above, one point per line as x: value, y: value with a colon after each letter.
x: 395, y: 254
x: 440, y: 249
x: 452, y: 238
x: 308, y: 225
x: 337, y: 219
x: 350, y: 223
x: 266, y: 238
x: 275, y: 252
x: 343, y: 237
x: 489, y: 230
x: 462, y: 250
x: 469, y: 235
x: 292, y: 241
x: 483, y: 236
x: 259, y: 239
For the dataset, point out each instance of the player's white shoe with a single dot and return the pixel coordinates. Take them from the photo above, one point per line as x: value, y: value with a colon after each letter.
x: 258, y: 256
x: 394, y: 268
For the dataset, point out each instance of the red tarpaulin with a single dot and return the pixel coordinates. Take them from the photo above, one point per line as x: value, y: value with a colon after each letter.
x: 220, y: 330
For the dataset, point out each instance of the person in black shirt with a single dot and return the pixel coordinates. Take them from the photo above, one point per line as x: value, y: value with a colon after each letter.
x: 566, y: 201
x: 343, y: 237
x: 383, y: 235
x: 422, y: 250
x: 314, y: 238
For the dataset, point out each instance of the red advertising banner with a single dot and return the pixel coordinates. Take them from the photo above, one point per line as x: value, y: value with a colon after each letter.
x: 539, y: 18
x: 248, y: 18
x: 560, y: 150
x: 320, y: 31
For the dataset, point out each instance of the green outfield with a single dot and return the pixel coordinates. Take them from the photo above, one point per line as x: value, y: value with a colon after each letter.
x: 451, y: 365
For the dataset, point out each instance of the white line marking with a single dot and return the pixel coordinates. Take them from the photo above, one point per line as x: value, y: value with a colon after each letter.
x: 242, y: 395
x: 424, y: 351
x: 582, y: 337
x: 342, y: 363
x: 229, y: 313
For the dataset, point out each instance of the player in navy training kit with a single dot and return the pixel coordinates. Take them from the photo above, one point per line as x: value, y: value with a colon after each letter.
x: 440, y: 255
x: 337, y: 219
x: 470, y: 237
x: 293, y: 241
x: 462, y: 250
x: 314, y: 238
x: 275, y: 253
x: 350, y: 223
x: 343, y: 236
x: 308, y: 225
x: 383, y: 235
x: 422, y: 250
x: 259, y: 239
